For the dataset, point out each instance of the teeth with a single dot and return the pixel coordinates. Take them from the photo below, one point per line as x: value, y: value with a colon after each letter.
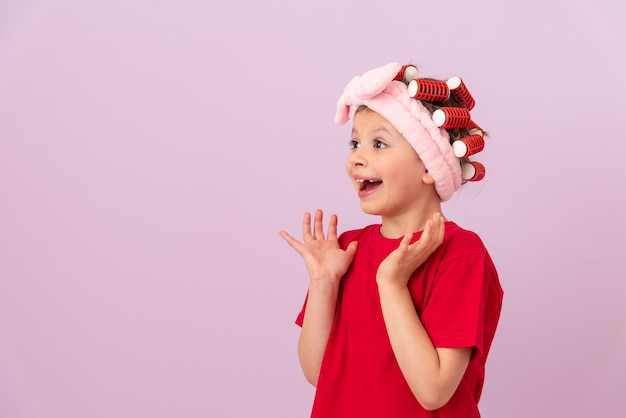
x: 363, y: 181
x: 360, y: 180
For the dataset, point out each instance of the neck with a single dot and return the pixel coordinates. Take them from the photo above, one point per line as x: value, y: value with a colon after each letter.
x: 399, y: 225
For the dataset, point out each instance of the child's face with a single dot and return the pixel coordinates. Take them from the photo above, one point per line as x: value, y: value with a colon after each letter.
x: 389, y: 177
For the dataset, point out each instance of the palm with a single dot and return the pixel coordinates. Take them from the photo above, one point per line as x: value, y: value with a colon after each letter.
x: 323, y: 256
x: 404, y: 260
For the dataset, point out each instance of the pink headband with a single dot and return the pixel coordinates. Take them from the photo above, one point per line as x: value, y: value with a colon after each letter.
x: 380, y: 90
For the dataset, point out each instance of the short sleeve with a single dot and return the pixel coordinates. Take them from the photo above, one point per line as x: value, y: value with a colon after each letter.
x: 300, y: 317
x: 454, y: 311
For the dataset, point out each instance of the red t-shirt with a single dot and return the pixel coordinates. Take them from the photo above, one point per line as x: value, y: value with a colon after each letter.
x: 458, y: 298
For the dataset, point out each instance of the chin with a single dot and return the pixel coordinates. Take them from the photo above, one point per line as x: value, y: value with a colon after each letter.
x: 368, y: 209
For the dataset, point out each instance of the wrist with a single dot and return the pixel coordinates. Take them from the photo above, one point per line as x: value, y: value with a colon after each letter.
x: 391, y: 286
x: 324, y: 283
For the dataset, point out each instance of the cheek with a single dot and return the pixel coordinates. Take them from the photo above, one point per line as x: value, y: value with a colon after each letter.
x: 407, y: 173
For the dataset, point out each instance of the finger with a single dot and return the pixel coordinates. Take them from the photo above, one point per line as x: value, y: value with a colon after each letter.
x: 425, y: 239
x: 332, y: 227
x: 442, y: 229
x: 306, y: 226
x: 428, y: 231
x: 318, y: 225
x: 351, y: 249
x: 436, y: 228
x: 293, y: 243
x: 404, y: 243
x: 436, y: 231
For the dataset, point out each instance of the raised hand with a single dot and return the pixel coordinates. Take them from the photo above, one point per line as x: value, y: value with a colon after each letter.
x: 323, y: 257
x: 397, y: 268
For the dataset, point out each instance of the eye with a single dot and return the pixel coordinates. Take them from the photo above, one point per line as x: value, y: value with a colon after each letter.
x: 379, y: 144
x: 353, y: 144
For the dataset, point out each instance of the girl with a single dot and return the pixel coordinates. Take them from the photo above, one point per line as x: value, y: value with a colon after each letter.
x: 399, y: 316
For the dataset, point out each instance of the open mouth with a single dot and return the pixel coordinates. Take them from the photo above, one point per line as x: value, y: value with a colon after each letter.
x: 368, y: 184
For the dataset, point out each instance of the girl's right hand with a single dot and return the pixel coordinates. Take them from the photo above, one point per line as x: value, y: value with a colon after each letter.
x: 324, y: 258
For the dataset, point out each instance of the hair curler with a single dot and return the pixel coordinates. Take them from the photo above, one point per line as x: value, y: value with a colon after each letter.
x: 459, y: 90
x: 473, y: 171
x: 473, y: 126
x: 468, y: 145
x: 429, y: 90
x: 476, y: 131
x: 451, y: 117
x: 406, y: 74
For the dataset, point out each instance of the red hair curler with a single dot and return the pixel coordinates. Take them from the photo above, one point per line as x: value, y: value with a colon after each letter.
x: 468, y: 145
x: 473, y: 171
x: 429, y: 90
x: 476, y: 131
x: 459, y: 90
x: 474, y: 127
x: 451, y: 117
x: 407, y: 73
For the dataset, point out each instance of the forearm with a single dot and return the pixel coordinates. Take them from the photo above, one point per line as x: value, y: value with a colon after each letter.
x: 318, y: 321
x: 432, y: 374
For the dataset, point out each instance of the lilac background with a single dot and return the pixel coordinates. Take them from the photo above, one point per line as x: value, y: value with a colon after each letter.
x: 151, y: 150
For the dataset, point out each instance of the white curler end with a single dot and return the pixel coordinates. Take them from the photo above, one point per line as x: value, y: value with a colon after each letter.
x: 453, y: 82
x: 468, y: 171
x: 439, y: 117
x: 412, y: 88
x: 410, y: 73
x: 460, y: 150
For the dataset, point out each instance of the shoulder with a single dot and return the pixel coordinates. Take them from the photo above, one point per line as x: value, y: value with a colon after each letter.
x: 358, y: 234
x: 463, y: 251
x: 459, y: 242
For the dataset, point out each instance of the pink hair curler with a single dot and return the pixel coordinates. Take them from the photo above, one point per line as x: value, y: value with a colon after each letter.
x: 459, y: 90
x: 429, y: 90
x: 451, y: 117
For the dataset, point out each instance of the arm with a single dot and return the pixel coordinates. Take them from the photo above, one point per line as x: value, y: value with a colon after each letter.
x: 326, y: 263
x: 318, y: 321
x: 433, y: 374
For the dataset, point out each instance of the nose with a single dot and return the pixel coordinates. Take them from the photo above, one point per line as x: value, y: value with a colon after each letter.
x: 357, y: 158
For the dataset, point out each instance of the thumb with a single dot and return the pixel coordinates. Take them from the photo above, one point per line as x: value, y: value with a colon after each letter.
x: 351, y: 249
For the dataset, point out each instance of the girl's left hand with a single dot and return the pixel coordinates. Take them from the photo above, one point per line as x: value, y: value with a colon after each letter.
x: 397, y: 268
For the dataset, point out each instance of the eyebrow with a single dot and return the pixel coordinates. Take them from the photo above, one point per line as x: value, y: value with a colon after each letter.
x: 376, y: 130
